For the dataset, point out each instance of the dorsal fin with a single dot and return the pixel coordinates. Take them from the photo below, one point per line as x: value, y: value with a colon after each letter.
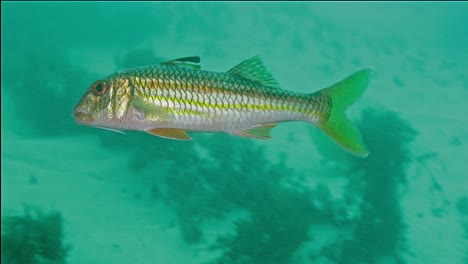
x: 192, y: 62
x: 254, y: 69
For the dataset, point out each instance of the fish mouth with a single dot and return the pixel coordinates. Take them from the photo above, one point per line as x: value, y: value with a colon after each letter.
x: 81, y: 118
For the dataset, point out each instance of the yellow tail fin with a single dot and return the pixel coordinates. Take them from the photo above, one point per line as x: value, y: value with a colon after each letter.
x: 343, y: 94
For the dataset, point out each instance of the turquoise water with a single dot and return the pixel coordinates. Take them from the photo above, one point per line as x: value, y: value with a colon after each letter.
x: 76, y: 194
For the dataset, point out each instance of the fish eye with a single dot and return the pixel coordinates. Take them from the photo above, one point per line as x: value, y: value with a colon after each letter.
x: 99, y: 87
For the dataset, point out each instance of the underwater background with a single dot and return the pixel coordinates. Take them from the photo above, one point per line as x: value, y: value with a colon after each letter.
x: 75, y: 194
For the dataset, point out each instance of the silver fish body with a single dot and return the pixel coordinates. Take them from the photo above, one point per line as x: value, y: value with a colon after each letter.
x: 176, y: 96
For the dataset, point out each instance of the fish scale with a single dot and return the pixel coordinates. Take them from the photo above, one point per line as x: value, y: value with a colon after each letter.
x: 176, y: 96
x: 217, y: 92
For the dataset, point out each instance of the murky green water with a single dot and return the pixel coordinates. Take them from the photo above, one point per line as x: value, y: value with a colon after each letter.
x: 76, y: 194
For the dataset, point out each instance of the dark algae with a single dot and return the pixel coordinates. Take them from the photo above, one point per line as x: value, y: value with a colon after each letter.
x: 33, y: 238
x: 379, y: 230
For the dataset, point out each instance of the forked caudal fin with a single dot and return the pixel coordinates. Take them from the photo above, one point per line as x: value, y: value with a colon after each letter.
x: 343, y: 94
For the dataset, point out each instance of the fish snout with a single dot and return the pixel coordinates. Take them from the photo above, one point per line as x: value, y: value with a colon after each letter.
x: 80, y: 115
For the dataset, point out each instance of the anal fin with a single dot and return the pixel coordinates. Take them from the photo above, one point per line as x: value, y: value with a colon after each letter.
x: 171, y: 133
x: 261, y: 131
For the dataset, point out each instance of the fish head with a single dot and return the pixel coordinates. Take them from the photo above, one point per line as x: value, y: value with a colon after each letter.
x: 104, y: 104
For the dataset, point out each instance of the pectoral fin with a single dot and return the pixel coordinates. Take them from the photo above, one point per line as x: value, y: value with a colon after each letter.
x: 171, y: 133
x: 259, y: 131
x: 150, y: 111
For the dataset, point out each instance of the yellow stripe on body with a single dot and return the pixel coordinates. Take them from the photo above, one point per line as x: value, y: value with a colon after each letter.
x: 188, y: 98
x: 181, y: 102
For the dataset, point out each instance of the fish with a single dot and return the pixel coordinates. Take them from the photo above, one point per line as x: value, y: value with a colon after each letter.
x: 176, y: 97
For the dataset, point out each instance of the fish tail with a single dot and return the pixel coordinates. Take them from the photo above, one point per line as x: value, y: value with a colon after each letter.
x: 335, y: 123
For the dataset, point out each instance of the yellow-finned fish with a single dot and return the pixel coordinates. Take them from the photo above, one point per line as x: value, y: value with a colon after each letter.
x: 176, y: 96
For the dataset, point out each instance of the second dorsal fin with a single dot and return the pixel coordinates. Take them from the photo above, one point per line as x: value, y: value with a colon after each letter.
x: 254, y: 69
